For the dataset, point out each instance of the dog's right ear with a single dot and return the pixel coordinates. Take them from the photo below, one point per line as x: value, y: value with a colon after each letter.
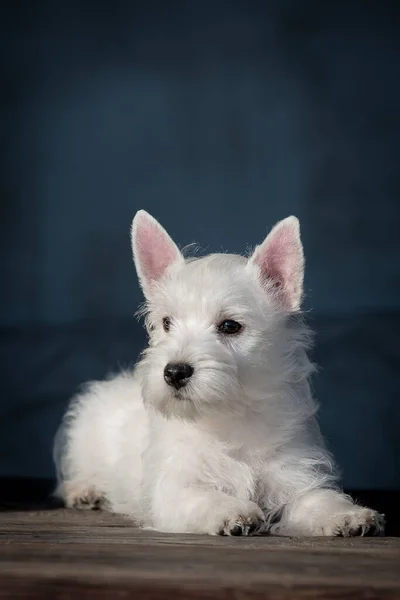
x: 153, y: 251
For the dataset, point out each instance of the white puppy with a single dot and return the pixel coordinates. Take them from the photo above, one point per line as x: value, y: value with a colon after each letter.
x: 215, y: 430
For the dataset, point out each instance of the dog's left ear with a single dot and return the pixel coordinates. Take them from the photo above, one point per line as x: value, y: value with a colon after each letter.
x: 154, y: 252
x: 280, y: 263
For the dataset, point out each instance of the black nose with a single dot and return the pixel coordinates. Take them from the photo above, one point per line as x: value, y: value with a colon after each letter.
x: 177, y: 374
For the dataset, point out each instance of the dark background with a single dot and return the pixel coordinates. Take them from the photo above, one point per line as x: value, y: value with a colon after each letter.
x: 219, y: 118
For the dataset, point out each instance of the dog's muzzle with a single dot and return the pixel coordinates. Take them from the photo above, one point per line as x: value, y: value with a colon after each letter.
x: 178, y: 374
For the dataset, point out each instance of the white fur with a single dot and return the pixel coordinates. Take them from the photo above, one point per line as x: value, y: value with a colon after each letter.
x: 238, y: 448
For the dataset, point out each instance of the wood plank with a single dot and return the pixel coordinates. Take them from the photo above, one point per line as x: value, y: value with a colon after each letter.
x: 61, y: 553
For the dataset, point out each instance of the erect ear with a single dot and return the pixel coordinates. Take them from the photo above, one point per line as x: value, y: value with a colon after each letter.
x: 153, y: 251
x: 280, y: 263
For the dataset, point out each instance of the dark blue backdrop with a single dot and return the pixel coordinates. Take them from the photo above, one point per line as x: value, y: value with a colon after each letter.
x: 219, y: 118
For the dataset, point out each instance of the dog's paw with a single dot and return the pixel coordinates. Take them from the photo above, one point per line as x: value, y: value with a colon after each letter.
x: 83, y: 497
x: 357, y: 521
x: 248, y: 520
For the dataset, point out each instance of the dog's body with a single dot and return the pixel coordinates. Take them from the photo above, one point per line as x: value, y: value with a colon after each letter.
x: 215, y: 430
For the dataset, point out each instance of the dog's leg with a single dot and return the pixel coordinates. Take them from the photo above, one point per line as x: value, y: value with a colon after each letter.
x: 192, y: 510
x: 302, y: 499
x: 324, y: 512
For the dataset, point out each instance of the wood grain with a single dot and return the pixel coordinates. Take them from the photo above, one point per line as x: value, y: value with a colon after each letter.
x: 70, y: 554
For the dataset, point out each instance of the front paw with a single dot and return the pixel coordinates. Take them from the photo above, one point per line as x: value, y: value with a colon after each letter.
x: 242, y: 520
x: 82, y: 496
x: 357, y: 521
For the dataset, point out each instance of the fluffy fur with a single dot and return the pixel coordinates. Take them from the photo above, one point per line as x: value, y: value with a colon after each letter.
x: 237, y: 450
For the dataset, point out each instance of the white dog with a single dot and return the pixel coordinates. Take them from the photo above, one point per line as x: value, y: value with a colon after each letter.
x: 215, y: 430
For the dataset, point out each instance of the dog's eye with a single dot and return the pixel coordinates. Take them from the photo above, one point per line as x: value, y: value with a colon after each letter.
x: 166, y: 323
x: 229, y: 327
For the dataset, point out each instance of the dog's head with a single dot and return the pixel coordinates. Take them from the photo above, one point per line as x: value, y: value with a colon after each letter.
x: 221, y: 330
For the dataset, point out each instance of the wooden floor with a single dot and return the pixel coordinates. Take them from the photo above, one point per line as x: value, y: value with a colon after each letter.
x: 70, y: 555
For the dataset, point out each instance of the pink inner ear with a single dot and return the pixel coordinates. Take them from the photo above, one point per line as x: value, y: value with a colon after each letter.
x: 280, y: 259
x: 156, y: 251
